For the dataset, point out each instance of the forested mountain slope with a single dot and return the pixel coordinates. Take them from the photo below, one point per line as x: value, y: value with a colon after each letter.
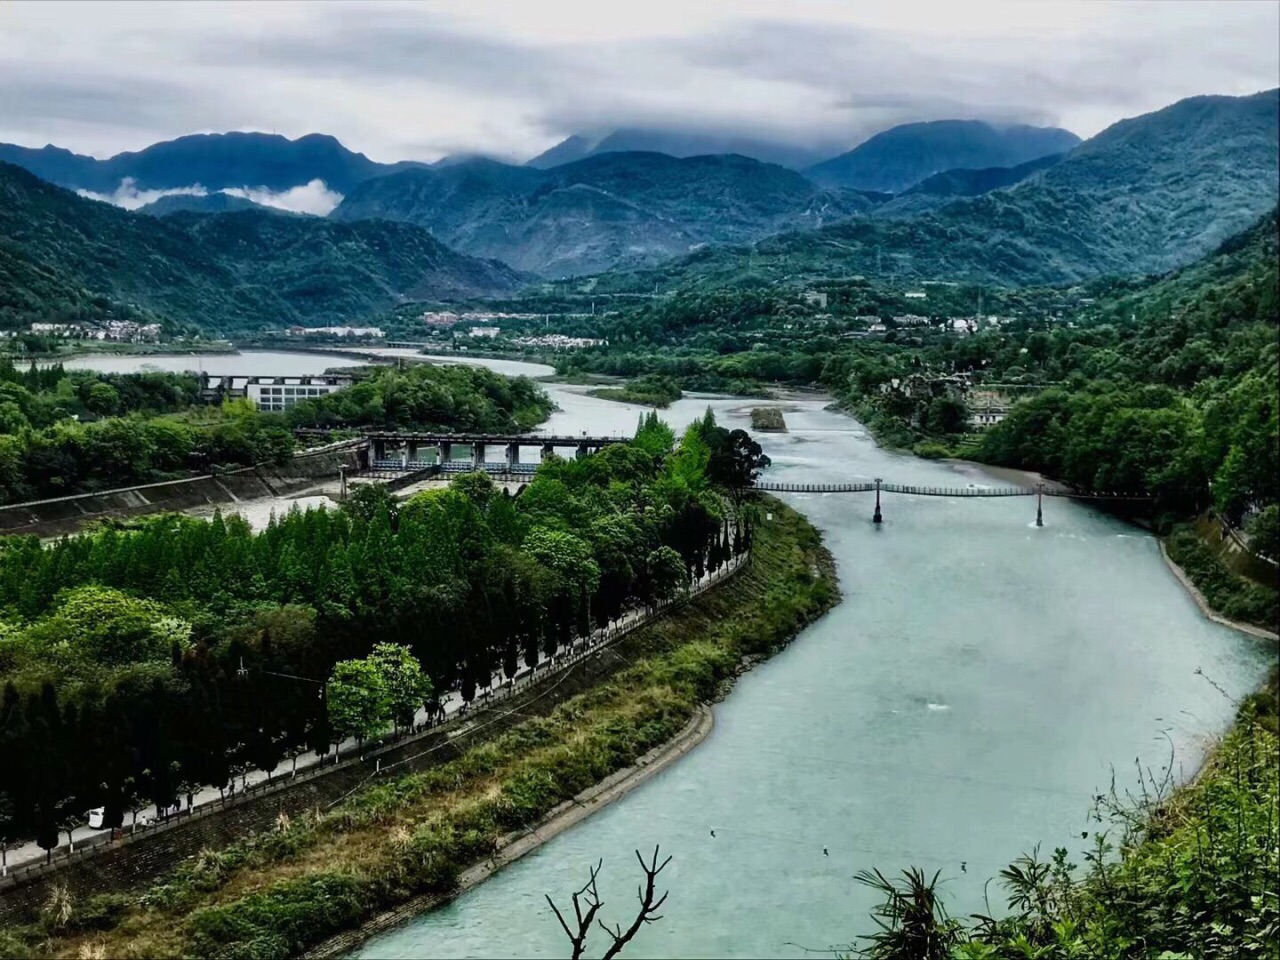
x: 902, y: 156
x: 60, y: 254
x: 1145, y: 196
x: 610, y: 210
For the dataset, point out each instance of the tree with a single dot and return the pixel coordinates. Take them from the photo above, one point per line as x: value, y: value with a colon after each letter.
x: 407, y: 686
x: 589, y: 896
x: 368, y: 499
x: 359, y: 703
x: 1264, y: 532
x: 945, y: 415
x: 736, y: 461
x: 913, y: 922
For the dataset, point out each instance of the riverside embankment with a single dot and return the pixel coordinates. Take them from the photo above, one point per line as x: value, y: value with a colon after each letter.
x: 265, y: 482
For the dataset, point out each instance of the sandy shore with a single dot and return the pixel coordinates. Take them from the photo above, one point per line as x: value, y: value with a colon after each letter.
x: 515, y: 845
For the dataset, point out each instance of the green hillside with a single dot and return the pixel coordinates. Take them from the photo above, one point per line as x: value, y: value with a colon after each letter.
x: 1145, y: 196
x: 63, y: 257
x: 604, y: 212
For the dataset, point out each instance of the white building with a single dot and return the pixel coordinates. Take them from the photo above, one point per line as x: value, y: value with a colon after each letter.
x: 336, y: 332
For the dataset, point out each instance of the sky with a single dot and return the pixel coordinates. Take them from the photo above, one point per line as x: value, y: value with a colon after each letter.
x: 418, y: 80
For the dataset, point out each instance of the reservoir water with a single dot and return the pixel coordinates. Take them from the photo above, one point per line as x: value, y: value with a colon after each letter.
x: 976, y: 687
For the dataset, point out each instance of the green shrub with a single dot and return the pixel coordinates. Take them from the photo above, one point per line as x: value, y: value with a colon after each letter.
x: 931, y: 450
x: 279, y: 922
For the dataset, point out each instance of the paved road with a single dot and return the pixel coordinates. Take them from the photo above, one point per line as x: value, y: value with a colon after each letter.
x: 452, y: 703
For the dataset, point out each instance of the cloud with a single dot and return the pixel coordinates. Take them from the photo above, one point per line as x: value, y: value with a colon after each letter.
x: 313, y: 198
x: 411, y: 81
x: 128, y: 195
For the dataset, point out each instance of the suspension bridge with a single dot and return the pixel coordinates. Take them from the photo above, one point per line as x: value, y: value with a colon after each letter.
x: 878, y: 486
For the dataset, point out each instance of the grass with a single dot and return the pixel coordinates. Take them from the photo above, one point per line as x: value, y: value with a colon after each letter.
x: 279, y: 893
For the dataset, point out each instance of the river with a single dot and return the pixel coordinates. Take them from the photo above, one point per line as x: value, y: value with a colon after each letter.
x: 972, y: 692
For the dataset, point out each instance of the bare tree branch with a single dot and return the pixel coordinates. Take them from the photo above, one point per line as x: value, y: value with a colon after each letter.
x: 649, y: 907
x: 591, y: 898
x: 650, y: 904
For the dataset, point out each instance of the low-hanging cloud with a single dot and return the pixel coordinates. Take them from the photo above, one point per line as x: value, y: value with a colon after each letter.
x: 411, y: 81
x: 314, y: 198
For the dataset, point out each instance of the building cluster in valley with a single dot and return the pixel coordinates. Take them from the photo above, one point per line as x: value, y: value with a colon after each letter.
x: 346, y: 333
x: 122, y: 331
x: 986, y: 404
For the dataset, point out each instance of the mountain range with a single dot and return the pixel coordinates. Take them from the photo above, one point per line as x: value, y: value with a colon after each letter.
x: 680, y: 144
x: 212, y: 160
x: 64, y: 257
x: 900, y: 157
x: 603, y: 212
x: 1144, y: 196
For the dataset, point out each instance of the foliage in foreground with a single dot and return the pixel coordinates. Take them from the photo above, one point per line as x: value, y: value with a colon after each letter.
x: 1188, y: 876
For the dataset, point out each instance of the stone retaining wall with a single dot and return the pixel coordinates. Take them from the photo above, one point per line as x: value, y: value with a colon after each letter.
x: 51, y: 518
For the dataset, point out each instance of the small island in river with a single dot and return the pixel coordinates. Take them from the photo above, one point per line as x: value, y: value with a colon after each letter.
x: 768, y: 420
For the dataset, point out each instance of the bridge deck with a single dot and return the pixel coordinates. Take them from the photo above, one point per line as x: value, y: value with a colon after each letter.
x: 426, y: 438
x: 921, y: 491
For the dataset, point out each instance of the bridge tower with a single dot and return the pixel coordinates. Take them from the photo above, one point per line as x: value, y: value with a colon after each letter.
x: 1039, y: 504
x: 877, y: 517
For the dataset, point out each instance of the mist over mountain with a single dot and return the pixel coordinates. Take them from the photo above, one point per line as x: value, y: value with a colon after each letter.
x: 902, y: 156
x: 214, y: 160
x: 680, y: 144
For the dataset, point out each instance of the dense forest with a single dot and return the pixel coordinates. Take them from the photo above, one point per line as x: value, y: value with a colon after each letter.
x: 74, y: 432
x: 139, y: 663
x: 1167, y: 387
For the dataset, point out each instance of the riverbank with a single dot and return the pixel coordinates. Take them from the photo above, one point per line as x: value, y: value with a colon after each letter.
x: 130, y: 350
x: 1206, y: 608
x: 285, y: 892
x: 516, y: 845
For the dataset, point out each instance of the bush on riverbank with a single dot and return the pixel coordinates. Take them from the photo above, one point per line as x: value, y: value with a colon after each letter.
x: 1233, y: 596
x: 651, y: 390
x: 278, y: 894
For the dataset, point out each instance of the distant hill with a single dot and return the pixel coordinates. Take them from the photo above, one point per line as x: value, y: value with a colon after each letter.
x: 899, y: 158
x: 602, y: 212
x: 1144, y: 196
x: 679, y: 144
x: 65, y: 257
x: 216, y: 202
x: 942, y: 188
x: 212, y: 160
